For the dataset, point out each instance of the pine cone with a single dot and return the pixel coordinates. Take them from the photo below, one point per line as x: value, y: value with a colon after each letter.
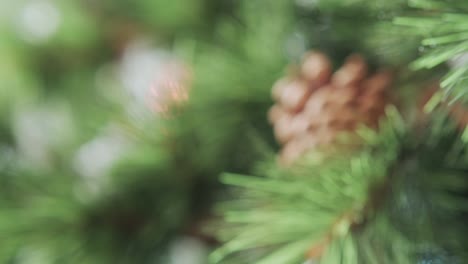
x: 314, y: 107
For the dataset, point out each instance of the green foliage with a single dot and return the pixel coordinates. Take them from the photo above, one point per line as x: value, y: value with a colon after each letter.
x: 169, y: 19
x: 442, y: 24
x: 325, y: 24
x: 131, y: 216
x: 225, y: 119
x: 386, y: 203
x: 166, y: 181
x: 300, y: 206
x: 38, y: 213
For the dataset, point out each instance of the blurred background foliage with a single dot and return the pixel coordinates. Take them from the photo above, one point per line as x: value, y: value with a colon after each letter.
x: 85, y: 178
x: 91, y: 172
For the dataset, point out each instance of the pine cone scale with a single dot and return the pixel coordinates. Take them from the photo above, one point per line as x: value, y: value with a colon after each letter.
x: 314, y: 107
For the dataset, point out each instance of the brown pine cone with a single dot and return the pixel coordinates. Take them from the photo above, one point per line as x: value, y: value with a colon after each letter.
x: 313, y: 107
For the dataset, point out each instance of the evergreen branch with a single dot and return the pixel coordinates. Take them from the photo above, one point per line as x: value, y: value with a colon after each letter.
x: 446, y: 38
x: 302, y: 205
x: 351, y: 204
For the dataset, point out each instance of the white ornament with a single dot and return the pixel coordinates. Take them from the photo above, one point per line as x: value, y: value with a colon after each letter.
x: 140, y: 65
x: 30, y: 255
x: 38, y: 20
x: 153, y: 77
x: 41, y: 130
x: 95, y: 158
x: 188, y: 251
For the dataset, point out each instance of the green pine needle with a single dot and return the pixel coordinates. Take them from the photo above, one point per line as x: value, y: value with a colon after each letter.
x: 445, y: 39
x: 280, y: 218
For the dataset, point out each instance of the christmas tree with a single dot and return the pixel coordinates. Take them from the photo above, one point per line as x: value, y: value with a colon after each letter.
x: 253, y: 131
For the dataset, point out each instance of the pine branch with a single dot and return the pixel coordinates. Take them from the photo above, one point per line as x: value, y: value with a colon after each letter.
x: 443, y: 26
x: 349, y: 208
x: 298, y: 209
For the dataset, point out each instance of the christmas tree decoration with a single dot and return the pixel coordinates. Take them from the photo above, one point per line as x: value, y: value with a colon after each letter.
x: 155, y: 78
x: 42, y: 133
x: 314, y: 107
x: 172, y: 87
x: 117, y: 119
x: 38, y: 21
